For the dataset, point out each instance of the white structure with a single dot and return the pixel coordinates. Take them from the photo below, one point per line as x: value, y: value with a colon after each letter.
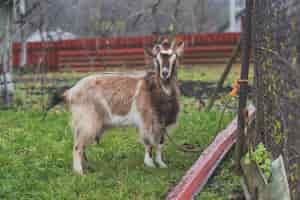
x: 10, y: 85
x: 235, y: 8
x: 50, y: 36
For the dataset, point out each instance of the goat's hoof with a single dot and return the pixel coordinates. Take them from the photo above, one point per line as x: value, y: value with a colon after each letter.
x: 79, y: 172
x: 149, y: 163
x: 161, y: 164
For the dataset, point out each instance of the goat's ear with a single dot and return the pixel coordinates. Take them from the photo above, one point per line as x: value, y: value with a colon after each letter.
x: 173, y: 44
x: 179, y: 49
x: 154, y: 51
x: 148, y: 51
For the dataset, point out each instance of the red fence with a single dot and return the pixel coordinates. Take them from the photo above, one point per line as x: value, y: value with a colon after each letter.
x: 98, y: 53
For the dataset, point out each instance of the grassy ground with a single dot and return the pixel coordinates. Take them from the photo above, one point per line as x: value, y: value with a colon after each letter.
x: 207, y: 73
x: 36, y: 157
x: 211, y: 73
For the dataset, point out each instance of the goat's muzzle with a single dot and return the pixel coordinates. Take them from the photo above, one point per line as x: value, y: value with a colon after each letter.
x: 165, y: 74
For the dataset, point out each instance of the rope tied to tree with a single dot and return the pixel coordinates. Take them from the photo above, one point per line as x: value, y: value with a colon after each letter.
x: 236, y: 86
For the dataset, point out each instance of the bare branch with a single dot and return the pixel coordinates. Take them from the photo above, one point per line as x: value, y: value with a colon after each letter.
x: 155, y: 6
x: 176, y: 10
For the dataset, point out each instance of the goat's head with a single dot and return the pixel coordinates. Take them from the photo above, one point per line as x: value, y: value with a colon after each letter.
x: 165, y: 57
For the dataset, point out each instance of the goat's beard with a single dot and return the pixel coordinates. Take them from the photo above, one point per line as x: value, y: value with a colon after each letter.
x: 166, y: 80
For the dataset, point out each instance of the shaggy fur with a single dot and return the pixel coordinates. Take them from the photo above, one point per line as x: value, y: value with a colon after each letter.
x: 166, y: 106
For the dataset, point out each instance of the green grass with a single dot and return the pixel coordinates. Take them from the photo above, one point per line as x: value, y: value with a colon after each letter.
x: 207, y: 73
x: 211, y: 73
x: 223, y: 183
x: 36, y: 157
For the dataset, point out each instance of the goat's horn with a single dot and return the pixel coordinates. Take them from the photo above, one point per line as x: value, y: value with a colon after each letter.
x: 165, y: 40
x: 173, y: 44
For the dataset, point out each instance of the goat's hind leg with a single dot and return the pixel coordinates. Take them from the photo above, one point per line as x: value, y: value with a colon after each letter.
x: 82, y: 138
x: 87, y: 165
x: 78, y: 156
x: 80, y: 161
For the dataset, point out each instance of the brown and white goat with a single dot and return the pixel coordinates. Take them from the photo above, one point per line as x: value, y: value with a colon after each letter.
x: 149, y: 102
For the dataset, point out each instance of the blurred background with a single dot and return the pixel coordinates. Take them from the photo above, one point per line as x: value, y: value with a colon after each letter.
x: 46, y: 45
x: 107, y: 18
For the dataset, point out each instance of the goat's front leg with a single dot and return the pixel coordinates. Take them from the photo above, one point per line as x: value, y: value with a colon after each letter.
x: 158, y: 158
x: 148, y: 156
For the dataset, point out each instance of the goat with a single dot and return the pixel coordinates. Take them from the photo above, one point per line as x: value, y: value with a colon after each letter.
x: 149, y: 102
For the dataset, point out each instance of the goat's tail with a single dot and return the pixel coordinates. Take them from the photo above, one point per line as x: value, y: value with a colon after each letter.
x: 56, y: 98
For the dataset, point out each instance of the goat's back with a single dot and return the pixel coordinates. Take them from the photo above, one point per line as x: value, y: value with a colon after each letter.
x: 114, y: 92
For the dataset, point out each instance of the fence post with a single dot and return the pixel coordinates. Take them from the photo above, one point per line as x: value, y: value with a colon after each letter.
x: 246, y: 45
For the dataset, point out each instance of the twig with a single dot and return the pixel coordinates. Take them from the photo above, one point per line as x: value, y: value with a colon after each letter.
x: 245, y: 189
x: 278, y: 56
x: 191, y: 149
x: 223, y: 77
x: 222, y: 114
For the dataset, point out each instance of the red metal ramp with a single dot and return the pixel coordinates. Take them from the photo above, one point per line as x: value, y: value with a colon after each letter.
x: 197, y: 176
